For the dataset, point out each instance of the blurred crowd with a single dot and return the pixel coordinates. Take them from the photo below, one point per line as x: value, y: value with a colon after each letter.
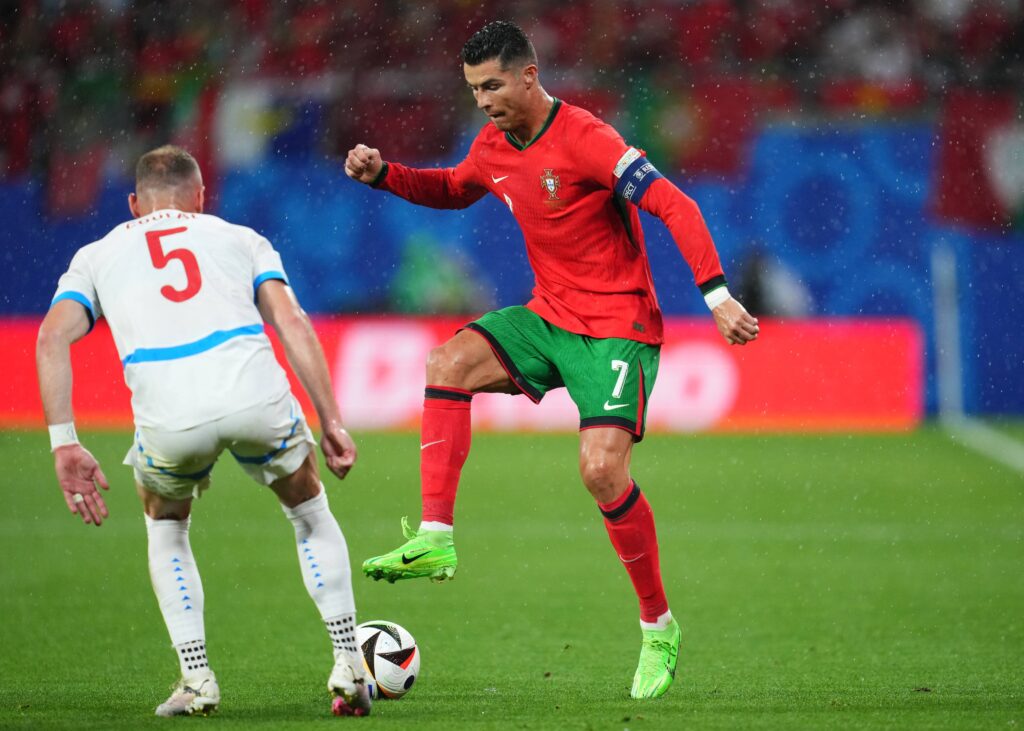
x: 78, y: 75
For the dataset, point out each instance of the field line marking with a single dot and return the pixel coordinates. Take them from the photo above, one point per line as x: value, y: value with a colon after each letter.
x: 987, y: 441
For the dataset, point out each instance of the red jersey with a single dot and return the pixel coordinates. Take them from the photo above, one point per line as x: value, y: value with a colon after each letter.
x: 574, y: 190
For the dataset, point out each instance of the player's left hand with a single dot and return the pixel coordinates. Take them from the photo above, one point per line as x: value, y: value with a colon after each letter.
x: 339, y: 450
x: 79, y: 473
x: 737, y: 325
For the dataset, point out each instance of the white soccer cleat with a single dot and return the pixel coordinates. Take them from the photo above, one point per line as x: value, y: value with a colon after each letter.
x: 348, y: 684
x: 198, y: 694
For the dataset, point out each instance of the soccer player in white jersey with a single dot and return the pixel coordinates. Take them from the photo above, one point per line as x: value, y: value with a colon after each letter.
x: 186, y: 295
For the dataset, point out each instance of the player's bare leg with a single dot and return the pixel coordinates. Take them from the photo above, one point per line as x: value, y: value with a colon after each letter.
x: 179, y: 592
x: 323, y: 559
x: 467, y: 362
x: 456, y: 370
x: 604, y: 465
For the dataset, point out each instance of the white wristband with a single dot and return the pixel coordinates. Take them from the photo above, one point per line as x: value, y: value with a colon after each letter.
x: 717, y: 296
x: 61, y: 435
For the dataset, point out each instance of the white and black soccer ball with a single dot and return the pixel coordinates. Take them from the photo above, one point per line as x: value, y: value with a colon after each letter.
x: 391, y: 657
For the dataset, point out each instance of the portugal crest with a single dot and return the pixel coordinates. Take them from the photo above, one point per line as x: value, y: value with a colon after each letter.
x: 549, y: 182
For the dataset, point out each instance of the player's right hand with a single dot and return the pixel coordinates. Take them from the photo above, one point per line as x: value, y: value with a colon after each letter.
x: 339, y: 449
x: 363, y: 163
x: 78, y: 473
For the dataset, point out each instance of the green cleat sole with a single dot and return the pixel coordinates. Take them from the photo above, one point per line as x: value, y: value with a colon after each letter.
x: 391, y: 575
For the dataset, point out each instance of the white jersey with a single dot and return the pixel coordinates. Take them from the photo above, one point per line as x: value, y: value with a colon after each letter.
x: 179, y: 293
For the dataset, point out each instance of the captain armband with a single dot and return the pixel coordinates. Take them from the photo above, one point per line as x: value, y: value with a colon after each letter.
x: 634, y: 175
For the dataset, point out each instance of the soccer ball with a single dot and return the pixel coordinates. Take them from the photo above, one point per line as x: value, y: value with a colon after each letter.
x: 391, y: 657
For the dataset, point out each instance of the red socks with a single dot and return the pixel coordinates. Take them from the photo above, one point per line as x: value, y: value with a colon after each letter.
x: 444, y: 445
x: 630, y: 526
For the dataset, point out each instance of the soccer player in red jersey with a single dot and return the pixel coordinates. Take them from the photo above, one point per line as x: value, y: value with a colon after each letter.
x: 592, y: 326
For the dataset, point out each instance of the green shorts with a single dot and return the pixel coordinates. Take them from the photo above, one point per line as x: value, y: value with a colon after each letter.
x: 609, y: 379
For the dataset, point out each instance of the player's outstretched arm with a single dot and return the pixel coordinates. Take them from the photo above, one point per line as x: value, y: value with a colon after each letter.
x: 363, y: 164
x: 78, y: 472
x: 279, y: 307
x: 448, y: 188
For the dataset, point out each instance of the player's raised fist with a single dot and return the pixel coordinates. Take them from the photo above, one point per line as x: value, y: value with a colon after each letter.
x: 363, y: 163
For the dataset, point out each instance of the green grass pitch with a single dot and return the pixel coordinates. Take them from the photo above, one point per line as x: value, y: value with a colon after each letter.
x: 821, y: 582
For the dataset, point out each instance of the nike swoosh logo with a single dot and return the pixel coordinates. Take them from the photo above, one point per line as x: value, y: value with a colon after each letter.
x: 612, y: 407
x: 498, y: 180
x: 407, y: 559
x: 431, y: 444
x: 631, y: 560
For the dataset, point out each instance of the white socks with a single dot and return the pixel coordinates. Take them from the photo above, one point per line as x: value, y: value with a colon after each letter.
x: 323, y: 558
x: 192, y: 656
x: 179, y: 591
x: 342, y: 630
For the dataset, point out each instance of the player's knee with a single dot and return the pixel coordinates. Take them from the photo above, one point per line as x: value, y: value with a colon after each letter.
x: 168, y: 513
x: 446, y: 365
x: 295, y: 493
x: 300, y: 486
x: 159, y: 508
x: 603, y: 477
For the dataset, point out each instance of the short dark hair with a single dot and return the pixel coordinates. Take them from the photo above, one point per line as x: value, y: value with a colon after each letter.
x: 165, y: 167
x: 502, y: 40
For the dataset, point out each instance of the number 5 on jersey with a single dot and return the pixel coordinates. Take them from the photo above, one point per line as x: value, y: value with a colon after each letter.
x: 161, y: 258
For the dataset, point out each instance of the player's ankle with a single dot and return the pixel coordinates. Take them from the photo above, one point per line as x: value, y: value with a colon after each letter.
x: 438, y: 533
x: 192, y: 659
x: 658, y: 623
x: 196, y: 677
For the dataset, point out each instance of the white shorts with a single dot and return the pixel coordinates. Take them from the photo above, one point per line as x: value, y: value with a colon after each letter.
x: 269, y: 441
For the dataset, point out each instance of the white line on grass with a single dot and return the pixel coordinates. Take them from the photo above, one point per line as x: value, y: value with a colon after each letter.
x: 987, y: 441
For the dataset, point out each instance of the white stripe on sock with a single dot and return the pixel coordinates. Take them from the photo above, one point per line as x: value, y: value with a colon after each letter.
x: 659, y: 624
x: 435, y: 525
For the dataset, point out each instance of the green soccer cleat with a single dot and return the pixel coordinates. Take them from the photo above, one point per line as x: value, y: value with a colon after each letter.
x: 427, y: 553
x: 657, y: 667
